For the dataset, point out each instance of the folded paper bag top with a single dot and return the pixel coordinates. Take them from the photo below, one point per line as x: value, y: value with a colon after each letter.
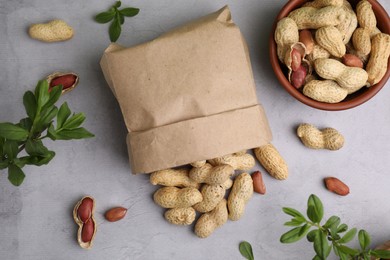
x: 188, y: 95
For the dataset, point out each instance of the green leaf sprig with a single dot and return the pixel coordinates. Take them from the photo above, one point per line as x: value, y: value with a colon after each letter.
x: 117, y: 16
x: 27, y: 135
x: 246, y: 250
x: 331, y: 235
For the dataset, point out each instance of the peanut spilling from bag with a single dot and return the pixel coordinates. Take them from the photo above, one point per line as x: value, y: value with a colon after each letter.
x: 203, y: 189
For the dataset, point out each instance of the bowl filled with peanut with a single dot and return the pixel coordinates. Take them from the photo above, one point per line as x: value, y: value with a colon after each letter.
x: 331, y: 54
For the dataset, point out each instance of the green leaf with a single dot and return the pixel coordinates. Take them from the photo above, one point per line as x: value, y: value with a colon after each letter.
x: 3, y: 164
x: 295, y: 234
x: 117, y: 4
x: 54, y: 95
x: 121, y: 18
x: 46, y: 119
x: 312, y: 234
x: 38, y: 160
x: 15, y: 175
x: 129, y: 11
x: 317, y: 258
x: 11, y: 149
x: 348, y: 236
x: 364, y: 239
x: 30, y: 104
x: 315, y: 210
x: 74, y: 122
x: 385, y: 254
x: 51, y: 133
x: 115, y: 30
x: 105, y: 17
x: 321, y: 246
x: 342, y: 228
x: 2, y: 141
x: 13, y: 132
x: 77, y: 133
x: 18, y: 162
x: 347, y: 250
x: 42, y: 93
x: 246, y: 250
x: 340, y: 254
x: 26, y: 123
x: 332, y: 221
x: 294, y: 222
x: 35, y: 148
x: 63, y: 114
x: 294, y: 213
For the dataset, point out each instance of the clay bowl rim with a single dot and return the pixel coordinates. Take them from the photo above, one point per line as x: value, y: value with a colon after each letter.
x: 352, y: 100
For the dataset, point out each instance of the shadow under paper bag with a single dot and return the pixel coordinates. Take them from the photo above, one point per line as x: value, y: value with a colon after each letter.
x: 188, y: 95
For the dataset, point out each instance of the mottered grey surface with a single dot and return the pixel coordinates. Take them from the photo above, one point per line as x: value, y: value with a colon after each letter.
x: 36, y: 218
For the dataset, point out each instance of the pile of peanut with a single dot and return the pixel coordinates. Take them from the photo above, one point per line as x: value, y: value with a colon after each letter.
x: 332, y: 50
x: 203, y: 187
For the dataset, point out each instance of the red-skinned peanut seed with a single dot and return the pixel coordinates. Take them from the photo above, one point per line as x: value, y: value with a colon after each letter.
x: 258, y: 183
x: 65, y: 80
x: 298, y: 77
x: 335, y: 185
x: 84, y: 211
x: 87, y: 231
x: 296, y: 59
x: 115, y: 214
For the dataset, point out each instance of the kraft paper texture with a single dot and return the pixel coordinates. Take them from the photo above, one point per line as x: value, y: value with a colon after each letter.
x: 188, y: 95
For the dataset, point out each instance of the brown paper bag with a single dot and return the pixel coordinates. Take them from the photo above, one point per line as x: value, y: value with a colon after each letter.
x: 188, y: 95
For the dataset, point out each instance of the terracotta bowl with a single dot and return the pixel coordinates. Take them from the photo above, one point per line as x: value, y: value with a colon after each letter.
x: 353, y: 100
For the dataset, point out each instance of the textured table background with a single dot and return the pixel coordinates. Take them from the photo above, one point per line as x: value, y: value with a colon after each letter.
x: 36, y: 218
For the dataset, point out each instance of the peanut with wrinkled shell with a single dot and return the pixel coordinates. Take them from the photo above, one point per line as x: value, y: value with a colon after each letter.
x: 327, y: 138
x: 323, y: 3
x: 331, y: 40
x: 327, y: 91
x: 286, y: 33
x: 365, y: 15
x: 210, y: 174
x: 350, y: 78
x: 208, y: 222
x: 313, y: 18
x: 239, y: 196
x: 227, y: 184
x: 53, y: 31
x: 180, y: 216
x: 349, y: 24
x: 198, y: 164
x: 272, y: 161
x: 242, y: 152
x: 212, y: 195
x: 238, y: 162
x: 377, y: 64
x: 173, y: 177
x: 318, y: 53
x: 172, y: 197
x: 361, y: 41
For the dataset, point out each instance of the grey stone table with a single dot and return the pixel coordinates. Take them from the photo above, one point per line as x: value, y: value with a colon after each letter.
x: 36, y: 218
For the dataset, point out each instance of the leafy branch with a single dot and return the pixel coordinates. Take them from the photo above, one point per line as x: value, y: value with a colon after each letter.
x: 117, y: 16
x: 27, y: 135
x: 331, y: 235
